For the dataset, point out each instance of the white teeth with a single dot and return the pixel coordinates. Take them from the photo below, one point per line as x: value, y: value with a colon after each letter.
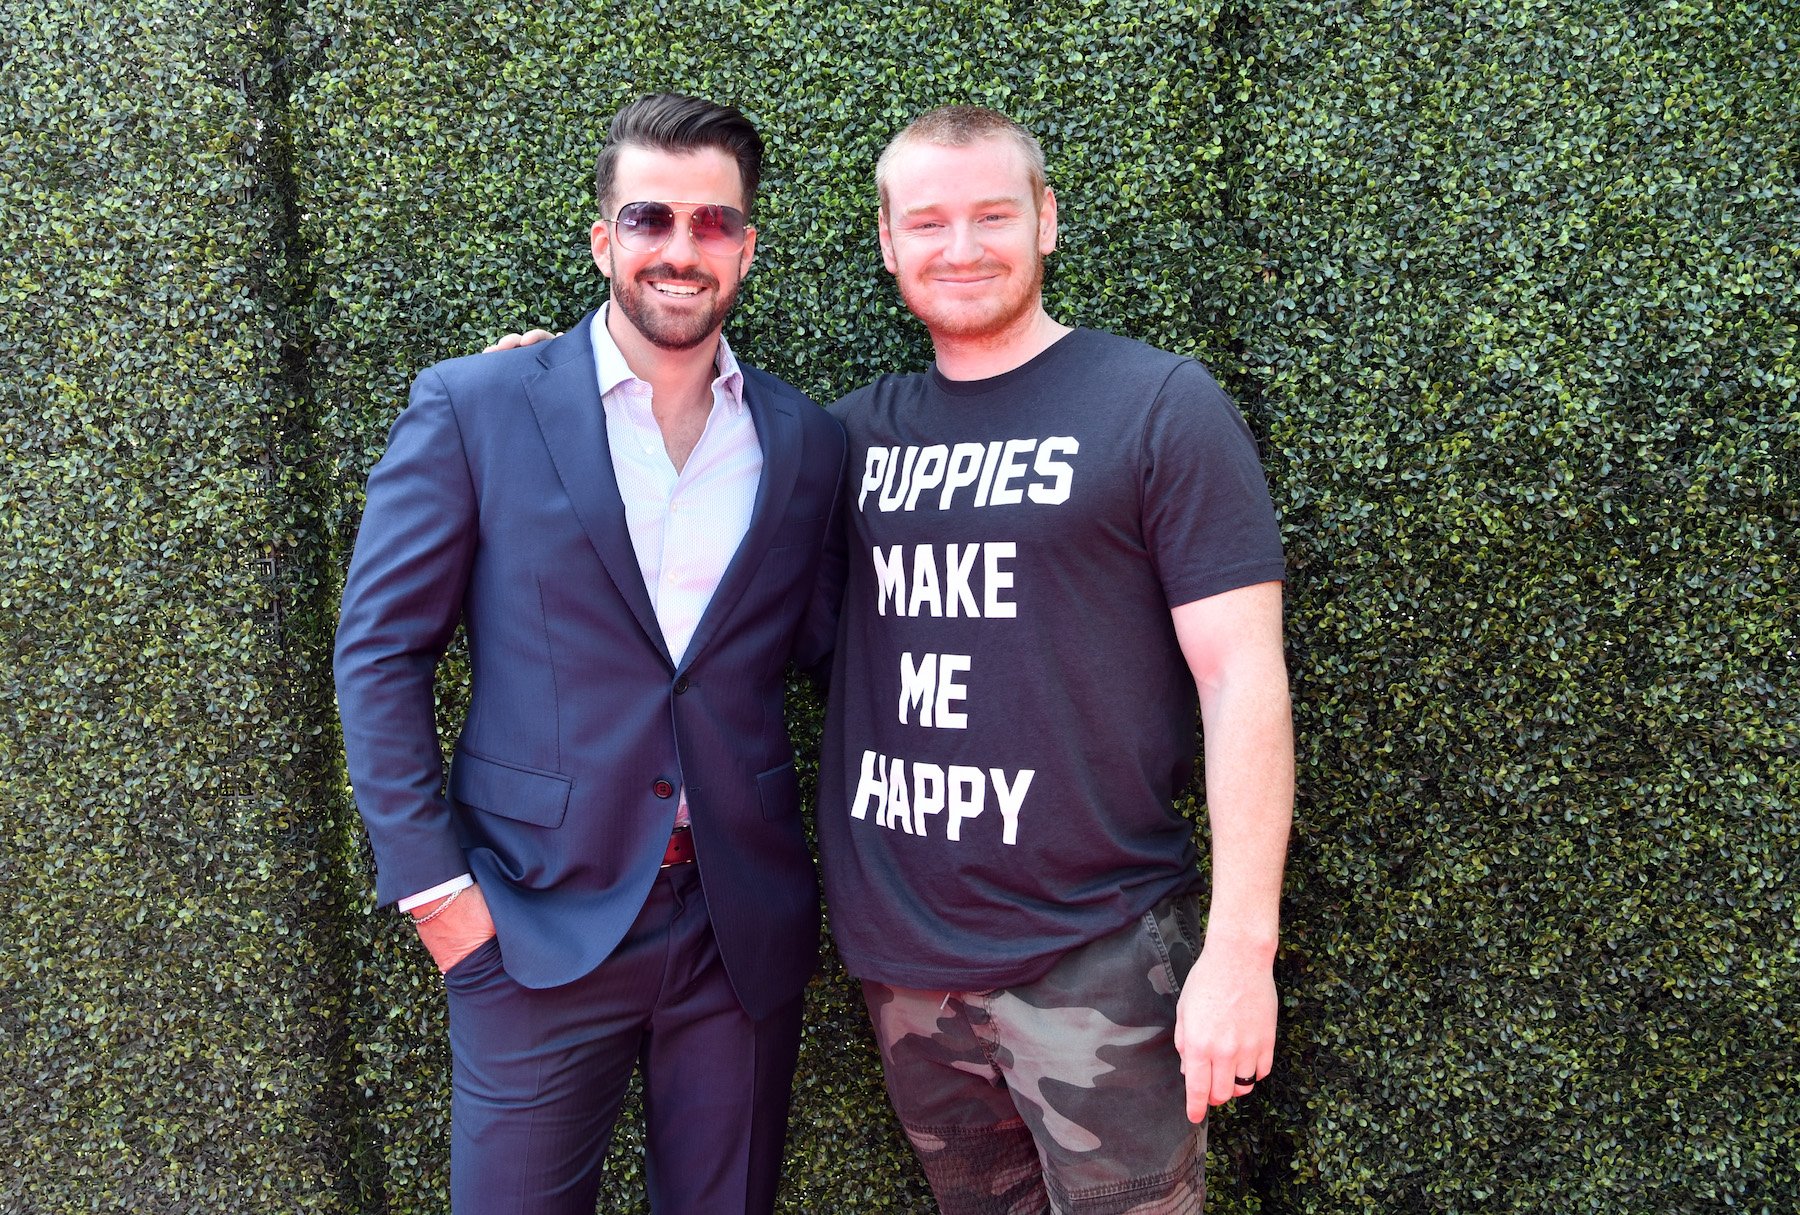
x: 675, y: 289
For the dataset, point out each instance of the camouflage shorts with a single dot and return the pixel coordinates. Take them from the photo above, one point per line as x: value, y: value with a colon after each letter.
x: 1064, y: 1094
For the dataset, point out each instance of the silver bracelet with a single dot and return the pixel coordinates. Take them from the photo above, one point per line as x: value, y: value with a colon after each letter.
x: 438, y: 910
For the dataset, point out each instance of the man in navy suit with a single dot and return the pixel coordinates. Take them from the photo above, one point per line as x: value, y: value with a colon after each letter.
x: 631, y: 527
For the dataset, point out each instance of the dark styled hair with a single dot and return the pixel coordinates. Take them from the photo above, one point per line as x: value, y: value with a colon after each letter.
x: 958, y: 126
x: 670, y: 122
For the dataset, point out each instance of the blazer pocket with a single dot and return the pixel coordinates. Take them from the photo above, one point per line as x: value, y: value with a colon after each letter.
x: 524, y: 795
x: 779, y: 789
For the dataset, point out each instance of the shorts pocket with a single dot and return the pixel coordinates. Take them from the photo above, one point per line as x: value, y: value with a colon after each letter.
x: 1174, y: 926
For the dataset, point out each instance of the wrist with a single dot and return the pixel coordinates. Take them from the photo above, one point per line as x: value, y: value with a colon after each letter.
x: 431, y: 911
x: 1244, y: 944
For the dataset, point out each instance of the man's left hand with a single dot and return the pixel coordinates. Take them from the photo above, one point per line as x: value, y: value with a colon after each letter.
x: 1225, y: 1026
x: 512, y: 341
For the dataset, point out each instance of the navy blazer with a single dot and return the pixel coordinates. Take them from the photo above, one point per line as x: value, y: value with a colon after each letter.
x: 496, y: 506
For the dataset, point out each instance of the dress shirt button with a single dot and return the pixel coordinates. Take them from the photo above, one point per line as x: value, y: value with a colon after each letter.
x: 663, y: 788
x: 681, y: 684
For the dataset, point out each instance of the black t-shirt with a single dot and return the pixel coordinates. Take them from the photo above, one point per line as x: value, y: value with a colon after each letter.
x: 1011, y: 717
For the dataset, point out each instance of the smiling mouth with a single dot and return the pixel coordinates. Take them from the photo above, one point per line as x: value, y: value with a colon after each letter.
x: 678, y: 291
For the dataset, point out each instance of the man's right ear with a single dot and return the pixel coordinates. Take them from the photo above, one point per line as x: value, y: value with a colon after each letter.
x: 887, y: 241
x: 600, y: 241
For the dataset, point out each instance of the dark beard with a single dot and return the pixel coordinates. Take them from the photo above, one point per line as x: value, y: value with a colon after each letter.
x: 665, y: 332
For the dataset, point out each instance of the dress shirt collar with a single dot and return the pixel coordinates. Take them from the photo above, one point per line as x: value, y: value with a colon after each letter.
x: 610, y: 364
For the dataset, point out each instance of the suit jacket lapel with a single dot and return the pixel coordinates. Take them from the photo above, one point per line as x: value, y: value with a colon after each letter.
x: 565, y: 396
x: 778, y: 433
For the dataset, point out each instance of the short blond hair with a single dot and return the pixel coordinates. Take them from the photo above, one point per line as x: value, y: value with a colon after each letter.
x: 958, y: 126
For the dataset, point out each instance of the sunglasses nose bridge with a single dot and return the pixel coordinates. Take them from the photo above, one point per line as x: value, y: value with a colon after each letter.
x: 682, y: 238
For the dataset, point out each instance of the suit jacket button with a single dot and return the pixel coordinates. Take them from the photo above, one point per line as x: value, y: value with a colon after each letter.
x: 663, y: 788
x: 681, y: 684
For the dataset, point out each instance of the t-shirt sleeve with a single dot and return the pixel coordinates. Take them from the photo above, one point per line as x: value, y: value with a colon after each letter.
x: 1208, y: 522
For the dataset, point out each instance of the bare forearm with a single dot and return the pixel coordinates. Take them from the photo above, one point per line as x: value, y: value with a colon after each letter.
x: 1249, y: 741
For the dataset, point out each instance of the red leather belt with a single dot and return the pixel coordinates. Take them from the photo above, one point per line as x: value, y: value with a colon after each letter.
x: 681, y: 848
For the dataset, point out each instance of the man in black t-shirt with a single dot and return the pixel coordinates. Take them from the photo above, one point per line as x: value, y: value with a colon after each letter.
x: 1055, y: 536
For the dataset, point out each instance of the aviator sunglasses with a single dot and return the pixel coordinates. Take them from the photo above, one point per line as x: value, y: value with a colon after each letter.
x: 645, y: 227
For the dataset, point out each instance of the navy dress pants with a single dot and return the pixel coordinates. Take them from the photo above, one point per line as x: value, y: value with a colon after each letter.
x: 539, y: 1075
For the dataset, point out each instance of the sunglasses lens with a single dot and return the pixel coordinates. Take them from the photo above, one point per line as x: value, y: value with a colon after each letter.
x: 645, y: 225
x: 718, y: 227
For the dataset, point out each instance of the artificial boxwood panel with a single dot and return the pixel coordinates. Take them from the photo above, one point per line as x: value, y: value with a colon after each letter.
x: 170, y: 989
x: 1522, y: 326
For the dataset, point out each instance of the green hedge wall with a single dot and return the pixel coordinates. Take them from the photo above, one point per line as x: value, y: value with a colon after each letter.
x: 172, y: 936
x: 1523, y: 335
x: 1505, y: 289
